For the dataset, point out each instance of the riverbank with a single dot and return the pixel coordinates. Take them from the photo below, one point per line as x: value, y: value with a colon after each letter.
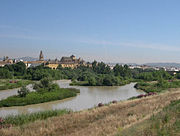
x: 164, y: 123
x: 158, y: 87
x: 18, y: 120
x: 11, y: 84
x: 107, y: 83
x: 79, y: 83
x: 106, y: 120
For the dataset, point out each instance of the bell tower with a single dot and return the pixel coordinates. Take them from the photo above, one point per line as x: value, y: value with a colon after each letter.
x: 41, y: 56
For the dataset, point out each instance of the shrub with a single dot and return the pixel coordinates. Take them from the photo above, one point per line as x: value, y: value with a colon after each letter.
x: 23, y: 92
x: 45, y: 85
x: 46, y: 82
x: 92, y: 81
x: 162, y: 83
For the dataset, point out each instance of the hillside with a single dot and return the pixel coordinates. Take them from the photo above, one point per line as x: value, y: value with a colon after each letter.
x: 165, y: 123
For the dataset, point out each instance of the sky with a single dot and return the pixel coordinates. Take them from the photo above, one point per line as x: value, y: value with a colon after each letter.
x: 120, y: 31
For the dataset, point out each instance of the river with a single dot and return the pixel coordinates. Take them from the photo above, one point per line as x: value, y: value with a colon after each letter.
x: 88, y: 98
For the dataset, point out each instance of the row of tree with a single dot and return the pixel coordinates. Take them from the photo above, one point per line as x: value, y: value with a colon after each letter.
x: 98, y: 74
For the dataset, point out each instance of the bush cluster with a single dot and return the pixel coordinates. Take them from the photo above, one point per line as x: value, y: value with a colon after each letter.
x: 158, y: 86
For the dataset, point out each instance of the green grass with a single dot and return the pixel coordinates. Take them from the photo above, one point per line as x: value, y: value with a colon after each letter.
x: 5, y: 83
x: 157, y: 86
x: 165, y: 123
x: 36, y: 97
x: 17, y: 120
x: 79, y: 83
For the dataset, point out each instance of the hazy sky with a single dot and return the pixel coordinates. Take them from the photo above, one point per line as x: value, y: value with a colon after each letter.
x: 106, y: 30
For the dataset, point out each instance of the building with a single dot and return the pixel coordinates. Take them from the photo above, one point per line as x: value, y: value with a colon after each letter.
x: 33, y: 63
x: 37, y: 62
x: 53, y: 64
x: 2, y: 63
x: 66, y: 62
x: 71, y: 62
x: 6, y: 61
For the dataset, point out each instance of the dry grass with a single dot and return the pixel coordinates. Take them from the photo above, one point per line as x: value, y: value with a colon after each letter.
x: 102, y: 121
x: 164, y: 123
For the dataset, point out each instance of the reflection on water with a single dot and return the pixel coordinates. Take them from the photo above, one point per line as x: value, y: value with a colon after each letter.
x: 88, y: 98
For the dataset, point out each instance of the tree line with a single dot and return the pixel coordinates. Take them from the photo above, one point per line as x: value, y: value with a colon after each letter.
x: 97, y: 75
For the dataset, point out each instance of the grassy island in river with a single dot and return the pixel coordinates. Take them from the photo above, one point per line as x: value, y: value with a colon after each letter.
x: 45, y: 91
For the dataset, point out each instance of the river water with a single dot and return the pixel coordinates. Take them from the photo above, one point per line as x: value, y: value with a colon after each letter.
x: 88, y: 98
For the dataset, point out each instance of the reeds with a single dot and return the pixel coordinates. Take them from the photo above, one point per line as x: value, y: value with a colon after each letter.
x: 17, y: 120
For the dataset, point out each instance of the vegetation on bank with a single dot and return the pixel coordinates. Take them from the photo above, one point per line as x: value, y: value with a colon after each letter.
x: 165, y: 123
x: 159, y: 86
x: 97, y: 75
x: 79, y: 83
x: 17, y: 120
x: 45, y: 91
x: 10, y: 84
x: 105, y: 82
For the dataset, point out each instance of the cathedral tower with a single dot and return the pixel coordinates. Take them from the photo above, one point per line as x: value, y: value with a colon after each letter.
x: 41, y: 57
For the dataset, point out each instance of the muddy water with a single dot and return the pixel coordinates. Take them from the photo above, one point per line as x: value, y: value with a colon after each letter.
x: 6, y: 93
x: 88, y: 98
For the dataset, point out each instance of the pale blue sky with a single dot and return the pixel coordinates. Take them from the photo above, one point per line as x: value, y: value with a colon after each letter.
x: 106, y: 30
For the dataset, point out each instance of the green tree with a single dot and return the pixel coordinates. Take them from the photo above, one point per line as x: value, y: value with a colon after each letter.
x: 94, y: 65
x: 19, y: 69
x: 107, y: 81
x: 4, y: 73
x: 60, y: 67
x: 162, y: 83
x: 123, y: 71
x: 91, y: 81
x: 46, y: 82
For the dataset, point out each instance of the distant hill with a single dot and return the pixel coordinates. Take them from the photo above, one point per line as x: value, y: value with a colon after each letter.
x: 133, y: 64
x: 167, y: 65
x: 163, y: 64
x: 27, y: 58
x: 23, y: 58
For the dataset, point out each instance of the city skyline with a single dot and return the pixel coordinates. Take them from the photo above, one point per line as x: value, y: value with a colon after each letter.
x: 110, y: 31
